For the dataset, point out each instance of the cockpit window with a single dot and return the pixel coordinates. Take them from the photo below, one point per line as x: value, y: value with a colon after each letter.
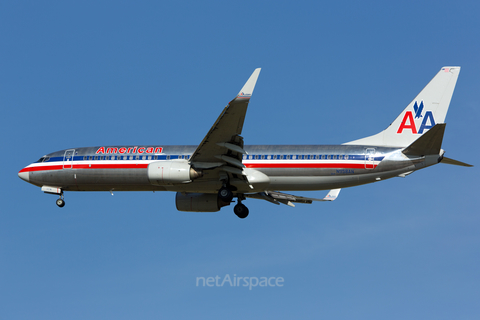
x: 41, y: 159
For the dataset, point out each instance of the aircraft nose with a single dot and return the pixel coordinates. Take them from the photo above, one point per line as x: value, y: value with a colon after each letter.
x: 24, y: 175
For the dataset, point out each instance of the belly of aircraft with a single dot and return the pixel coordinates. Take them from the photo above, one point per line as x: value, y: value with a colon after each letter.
x: 137, y: 180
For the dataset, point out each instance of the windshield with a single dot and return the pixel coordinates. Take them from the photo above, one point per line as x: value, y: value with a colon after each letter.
x: 43, y: 159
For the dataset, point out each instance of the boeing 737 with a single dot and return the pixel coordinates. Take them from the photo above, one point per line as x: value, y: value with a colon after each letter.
x: 209, y: 176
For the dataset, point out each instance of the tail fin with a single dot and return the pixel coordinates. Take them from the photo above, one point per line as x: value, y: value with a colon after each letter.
x: 428, y: 108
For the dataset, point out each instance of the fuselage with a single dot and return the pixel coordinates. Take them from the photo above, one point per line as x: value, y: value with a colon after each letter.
x: 299, y: 167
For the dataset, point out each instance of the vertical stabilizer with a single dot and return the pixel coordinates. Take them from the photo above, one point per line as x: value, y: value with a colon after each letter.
x: 428, y: 108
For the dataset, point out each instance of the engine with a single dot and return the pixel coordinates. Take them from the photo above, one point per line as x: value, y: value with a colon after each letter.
x: 168, y: 172
x: 198, y: 202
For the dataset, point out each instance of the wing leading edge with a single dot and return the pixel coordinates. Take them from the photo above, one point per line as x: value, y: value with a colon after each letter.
x: 224, y: 135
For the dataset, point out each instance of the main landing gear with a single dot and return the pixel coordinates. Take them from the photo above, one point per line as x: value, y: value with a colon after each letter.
x: 240, y: 210
x: 225, y: 194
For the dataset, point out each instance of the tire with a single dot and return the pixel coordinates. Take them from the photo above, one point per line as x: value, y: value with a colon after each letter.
x: 241, y: 211
x: 60, y: 203
x: 225, y: 195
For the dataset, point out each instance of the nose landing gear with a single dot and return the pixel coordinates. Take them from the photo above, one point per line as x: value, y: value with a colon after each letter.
x: 60, y: 202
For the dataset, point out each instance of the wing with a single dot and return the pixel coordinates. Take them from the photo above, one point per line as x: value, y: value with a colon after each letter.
x: 288, y: 199
x: 223, y: 143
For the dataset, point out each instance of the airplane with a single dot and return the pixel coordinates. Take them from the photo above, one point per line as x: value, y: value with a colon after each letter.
x: 209, y: 176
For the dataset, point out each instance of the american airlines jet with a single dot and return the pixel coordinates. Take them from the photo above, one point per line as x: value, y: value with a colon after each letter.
x: 209, y: 176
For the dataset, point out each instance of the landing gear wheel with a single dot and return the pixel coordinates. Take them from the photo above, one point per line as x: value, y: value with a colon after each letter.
x: 60, y: 202
x: 225, y: 194
x: 241, y: 211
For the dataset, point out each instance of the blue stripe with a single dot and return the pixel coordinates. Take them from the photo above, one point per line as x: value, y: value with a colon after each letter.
x: 358, y: 157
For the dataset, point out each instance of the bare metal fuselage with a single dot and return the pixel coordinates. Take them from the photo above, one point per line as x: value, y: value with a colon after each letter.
x: 308, y: 167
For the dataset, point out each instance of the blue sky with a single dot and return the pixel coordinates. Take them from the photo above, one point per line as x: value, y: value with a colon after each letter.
x: 108, y: 73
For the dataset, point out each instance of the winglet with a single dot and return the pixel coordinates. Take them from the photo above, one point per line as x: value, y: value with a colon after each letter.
x: 247, y: 89
x: 332, y: 195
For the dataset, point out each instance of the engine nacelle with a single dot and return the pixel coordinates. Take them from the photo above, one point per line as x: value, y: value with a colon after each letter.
x: 168, y: 172
x: 198, y: 202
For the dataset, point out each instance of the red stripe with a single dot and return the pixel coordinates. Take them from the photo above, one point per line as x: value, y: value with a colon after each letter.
x: 87, y: 166
x: 248, y: 165
x: 308, y: 165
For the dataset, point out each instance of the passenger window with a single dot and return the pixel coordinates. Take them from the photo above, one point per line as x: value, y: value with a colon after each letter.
x: 274, y: 156
x: 168, y: 157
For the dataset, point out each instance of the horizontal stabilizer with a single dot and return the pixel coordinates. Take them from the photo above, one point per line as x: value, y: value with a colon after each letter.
x: 428, y: 144
x: 455, y: 162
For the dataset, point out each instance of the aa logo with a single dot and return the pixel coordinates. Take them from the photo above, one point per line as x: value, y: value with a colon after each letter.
x: 408, y: 121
